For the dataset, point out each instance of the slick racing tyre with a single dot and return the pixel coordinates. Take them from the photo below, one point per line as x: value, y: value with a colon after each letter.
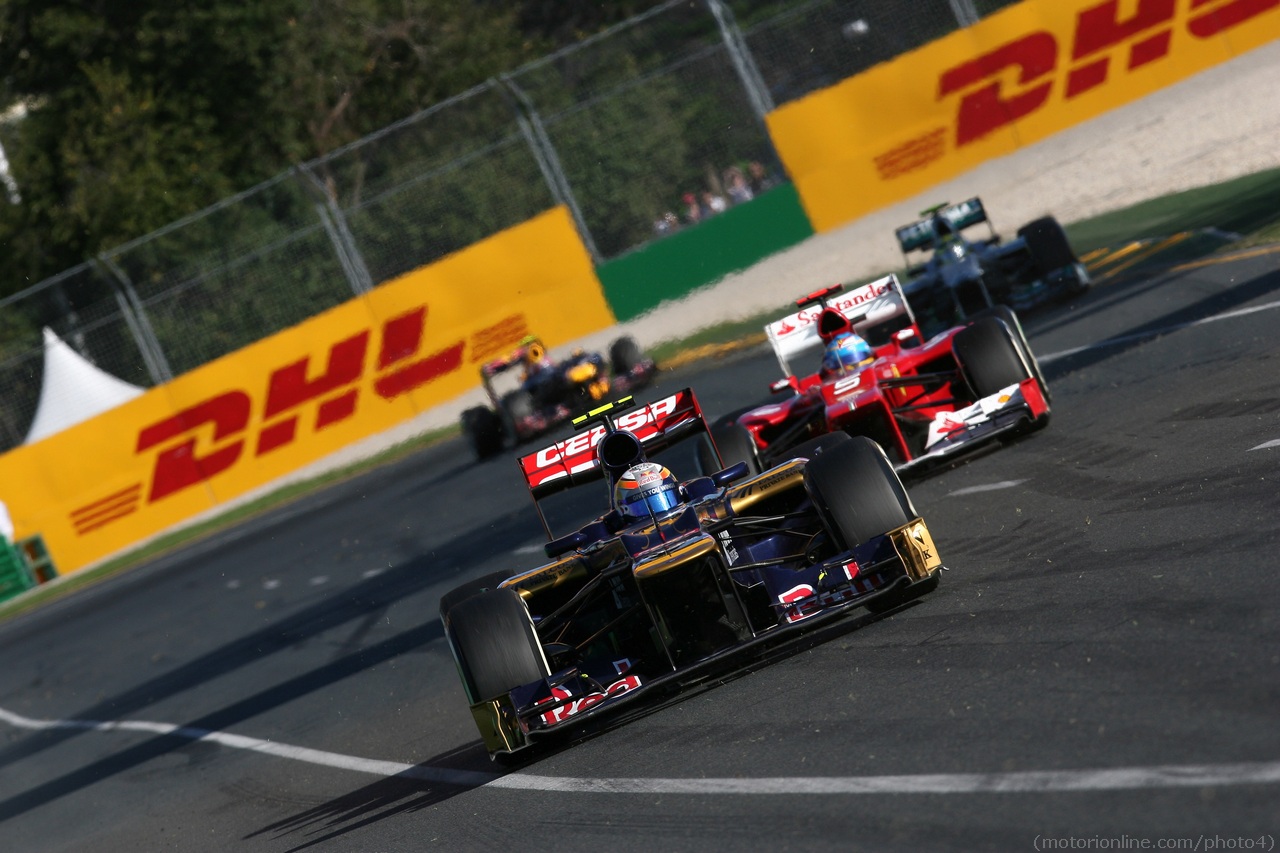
x: 462, y: 592
x: 736, y: 445
x: 625, y: 355
x: 1048, y: 245
x: 495, y: 644
x: 858, y: 491
x: 989, y: 357
x: 1010, y: 318
x: 483, y: 430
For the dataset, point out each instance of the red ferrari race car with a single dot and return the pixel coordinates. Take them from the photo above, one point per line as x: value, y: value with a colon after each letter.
x: 924, y: 401
x: 547, y: 393
x: 679, y: 579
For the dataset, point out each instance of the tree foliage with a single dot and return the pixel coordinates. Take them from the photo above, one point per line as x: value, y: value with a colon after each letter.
x: 142, y: 112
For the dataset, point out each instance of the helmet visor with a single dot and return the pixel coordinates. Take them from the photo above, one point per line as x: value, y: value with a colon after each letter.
x: 656, y: 502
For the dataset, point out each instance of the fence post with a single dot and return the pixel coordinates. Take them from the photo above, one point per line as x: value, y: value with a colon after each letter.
x: 743, y: 62
x: 344, y: 243
x: 135, y: 318
x: 544, y: 152
x: 966, y: 13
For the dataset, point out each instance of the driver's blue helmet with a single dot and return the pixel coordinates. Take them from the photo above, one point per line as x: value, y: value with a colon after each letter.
x: 846, y: 353
x: 646, y: 488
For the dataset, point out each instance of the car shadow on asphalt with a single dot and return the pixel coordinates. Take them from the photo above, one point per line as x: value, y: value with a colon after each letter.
x: 409, y: 792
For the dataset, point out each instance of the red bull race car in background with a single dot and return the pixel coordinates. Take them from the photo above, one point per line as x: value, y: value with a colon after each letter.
x: 924, y: 401
x: 677, y: 579
x: 962, y: 277
x: 547, y: 393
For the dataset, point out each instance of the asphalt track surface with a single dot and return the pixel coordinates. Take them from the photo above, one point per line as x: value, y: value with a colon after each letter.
x: 1100, y: 666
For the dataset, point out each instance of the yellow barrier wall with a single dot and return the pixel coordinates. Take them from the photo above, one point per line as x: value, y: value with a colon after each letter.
x: 1027, y: 72
x: 242, y: 421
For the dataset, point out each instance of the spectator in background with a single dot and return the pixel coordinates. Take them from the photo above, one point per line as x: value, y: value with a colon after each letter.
x: 735, y: 184
x: 759, y: 178
x: 665, y: 224
x: 713, y: 203
x: 692, y: 210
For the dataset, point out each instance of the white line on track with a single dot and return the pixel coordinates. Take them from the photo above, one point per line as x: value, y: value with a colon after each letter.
x: 529, y: 549
x: 989, y: 487
x: 1265, y: 445
x: 1120, y: 778
x: 1110, y: 342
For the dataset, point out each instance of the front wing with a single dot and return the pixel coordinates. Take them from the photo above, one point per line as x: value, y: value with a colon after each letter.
x: 1007, y: 411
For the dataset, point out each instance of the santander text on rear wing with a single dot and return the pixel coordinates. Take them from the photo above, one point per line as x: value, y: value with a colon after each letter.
x: 573, y: 461
x: 866, y: 306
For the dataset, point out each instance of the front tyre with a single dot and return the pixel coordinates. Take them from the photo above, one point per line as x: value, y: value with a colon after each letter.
x: 857, y: 491
x: 494, y: 644
x: 988, y: 357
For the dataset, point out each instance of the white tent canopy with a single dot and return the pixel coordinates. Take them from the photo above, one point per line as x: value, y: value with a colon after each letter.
x: 73, y: 390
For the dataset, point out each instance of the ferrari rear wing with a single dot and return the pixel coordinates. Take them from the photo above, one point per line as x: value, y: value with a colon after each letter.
x: 573, y: 461
x: 921, y: 235
x: 870, y: 305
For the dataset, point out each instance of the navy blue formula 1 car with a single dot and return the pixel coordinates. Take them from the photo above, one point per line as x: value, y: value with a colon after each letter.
x: 677, y: 579
x: 962, y: 277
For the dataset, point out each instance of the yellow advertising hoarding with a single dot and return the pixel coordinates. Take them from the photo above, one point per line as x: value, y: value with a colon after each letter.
x: 275, y: 406
x: 1029, y: 71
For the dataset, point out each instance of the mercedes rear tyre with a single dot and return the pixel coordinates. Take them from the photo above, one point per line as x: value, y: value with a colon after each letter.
x: 1048, y: 245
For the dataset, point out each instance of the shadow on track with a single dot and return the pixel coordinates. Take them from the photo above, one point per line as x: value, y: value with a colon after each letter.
x: 404, y: 794
x: 1223, y: 301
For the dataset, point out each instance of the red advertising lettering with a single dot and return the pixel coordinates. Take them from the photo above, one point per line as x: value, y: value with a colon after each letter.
x: 288, y: 388
x: 401, y: 340
x: 1101, y: 28
x: 989, y: 108
x: 178, y: 467
x: 1224, y: 16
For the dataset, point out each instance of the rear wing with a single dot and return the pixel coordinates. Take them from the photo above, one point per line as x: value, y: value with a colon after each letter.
x: 922, y: 235
x: 867, y: 306
x: 573, y: 461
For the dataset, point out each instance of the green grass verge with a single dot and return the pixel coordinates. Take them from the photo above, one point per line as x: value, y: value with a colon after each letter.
x: 1245, y: 206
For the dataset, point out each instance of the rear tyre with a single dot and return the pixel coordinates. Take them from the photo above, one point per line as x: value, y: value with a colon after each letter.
x: 625, y: 355
x: 988, y: 357
x: 736, y: 445
x: 483, y: 430
x: 858, y: 491
x: 1048, y: 245
x: 495, y: 644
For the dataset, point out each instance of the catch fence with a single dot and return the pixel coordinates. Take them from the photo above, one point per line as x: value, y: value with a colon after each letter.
x: 639, y: 131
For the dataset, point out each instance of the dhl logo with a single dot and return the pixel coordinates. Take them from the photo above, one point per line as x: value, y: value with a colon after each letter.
x: 1019, y: 77
x: 296, y: 397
